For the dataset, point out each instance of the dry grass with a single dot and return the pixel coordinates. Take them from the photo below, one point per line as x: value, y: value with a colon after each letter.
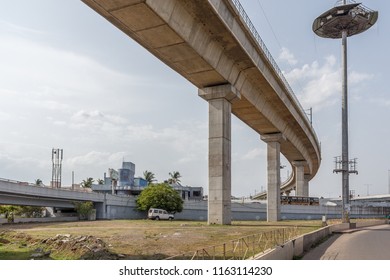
x: 144, y: 239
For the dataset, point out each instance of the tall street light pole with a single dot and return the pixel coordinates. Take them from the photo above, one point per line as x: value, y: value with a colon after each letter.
x: 344, y: 128
x: 343, y: 21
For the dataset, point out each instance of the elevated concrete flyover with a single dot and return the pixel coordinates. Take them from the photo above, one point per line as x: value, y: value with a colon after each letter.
x: 213, y: 44
x: 107, y: 206
x: 21, y: 193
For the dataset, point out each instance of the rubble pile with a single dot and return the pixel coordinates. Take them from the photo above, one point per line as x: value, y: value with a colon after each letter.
x: 87, y: 247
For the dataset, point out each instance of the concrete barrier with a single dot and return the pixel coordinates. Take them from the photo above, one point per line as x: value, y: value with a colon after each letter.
x: 41, y: 220
x: 298, y: 246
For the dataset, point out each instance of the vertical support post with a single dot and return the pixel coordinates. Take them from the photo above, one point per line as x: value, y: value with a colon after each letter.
x: 301, y: 187
x: 306, y: 185
x: 273, y: 173
x: 344, y: 132
x: 72, y: 180
x: 219, y: 198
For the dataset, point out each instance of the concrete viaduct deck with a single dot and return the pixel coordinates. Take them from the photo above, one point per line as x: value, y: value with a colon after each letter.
x: 213, y: 44
x: 21, y: 193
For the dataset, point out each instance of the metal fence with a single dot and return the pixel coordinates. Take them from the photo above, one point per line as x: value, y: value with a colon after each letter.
x: 243, y: 248
x: 27, y: 184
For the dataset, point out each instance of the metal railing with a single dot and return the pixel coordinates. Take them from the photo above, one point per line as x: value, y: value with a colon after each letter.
x: 16, y: 182
x: 267, y: 54
x: 27, y: 184
x: 264, y: 48
x: 243, y: 248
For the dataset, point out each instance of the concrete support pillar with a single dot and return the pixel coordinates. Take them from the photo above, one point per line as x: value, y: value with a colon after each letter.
x: 101, y: 209
x: 219, y: 198
x: 302, y: 187
x: 306, y: 185
x: 273, y: 173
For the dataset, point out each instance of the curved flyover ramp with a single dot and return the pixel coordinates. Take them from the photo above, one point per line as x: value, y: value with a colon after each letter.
x: 213, y: 44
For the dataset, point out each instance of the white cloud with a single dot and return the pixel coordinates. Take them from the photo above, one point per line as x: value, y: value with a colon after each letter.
x: 21, y: 162
x: 355, y: 78
x: 97, y: 122
x: 319, y: 86
x: 93, y: 164
x: 95, y: 158
x: 52, y: 105
x: 254, y: 153
x: 52, y: 97
x: 382, y: 102
x: 84, y: 115
x: 184, y: 133
x: 286, y: 55
x: 91, y: 158
x: 12, y: 28
x: 44, y: 77
x: 4, y: 116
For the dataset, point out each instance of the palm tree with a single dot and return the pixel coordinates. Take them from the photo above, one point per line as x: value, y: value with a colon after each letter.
x: 100, y: 181
x: 149, y: 177
x: 38, y: 182
x: 87, y: 183
x: 175, y: 177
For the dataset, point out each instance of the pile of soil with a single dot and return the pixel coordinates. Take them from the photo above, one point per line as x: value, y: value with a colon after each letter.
x: 86, y: 247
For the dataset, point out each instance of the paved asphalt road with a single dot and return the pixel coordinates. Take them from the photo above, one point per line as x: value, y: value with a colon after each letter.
x: 371, y: 243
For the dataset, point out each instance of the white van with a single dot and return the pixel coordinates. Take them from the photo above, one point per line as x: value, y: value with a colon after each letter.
x: 159, y: 214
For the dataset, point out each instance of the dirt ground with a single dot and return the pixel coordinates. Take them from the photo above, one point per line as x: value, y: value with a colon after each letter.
x: 126, y: 239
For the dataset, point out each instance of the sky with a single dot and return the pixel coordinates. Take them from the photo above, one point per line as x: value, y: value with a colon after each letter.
x: 71, y: 80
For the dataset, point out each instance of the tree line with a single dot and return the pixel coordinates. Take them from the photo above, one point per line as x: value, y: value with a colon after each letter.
x: 10, y: 211
x: 148, y: 176
x: 155, y: 195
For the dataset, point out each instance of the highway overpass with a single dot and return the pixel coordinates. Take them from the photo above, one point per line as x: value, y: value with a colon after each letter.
x: 214, y: 45
x: 124, y: 207
x: 21, y: 193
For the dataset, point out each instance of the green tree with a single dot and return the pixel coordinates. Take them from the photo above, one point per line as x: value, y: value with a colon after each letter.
x: 7, y: 209
x: 160, y: 196
x: 30, y: 211
x: 175, y: 177
x: 27, y: 211
x: 38, y: 182
x: 87, y: 183
x: 100, y: 181
x: 83, y: 209
x: 149, y: 177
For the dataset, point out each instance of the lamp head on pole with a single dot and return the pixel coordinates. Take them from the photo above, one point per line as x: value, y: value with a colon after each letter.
x: 352, y: 17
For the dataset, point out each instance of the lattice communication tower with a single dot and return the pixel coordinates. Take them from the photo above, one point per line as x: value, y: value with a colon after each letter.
x: 56, y: 157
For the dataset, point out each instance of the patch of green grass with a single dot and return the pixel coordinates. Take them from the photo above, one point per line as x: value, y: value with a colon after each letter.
x: 11, y: 249
x: 14, y: 253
